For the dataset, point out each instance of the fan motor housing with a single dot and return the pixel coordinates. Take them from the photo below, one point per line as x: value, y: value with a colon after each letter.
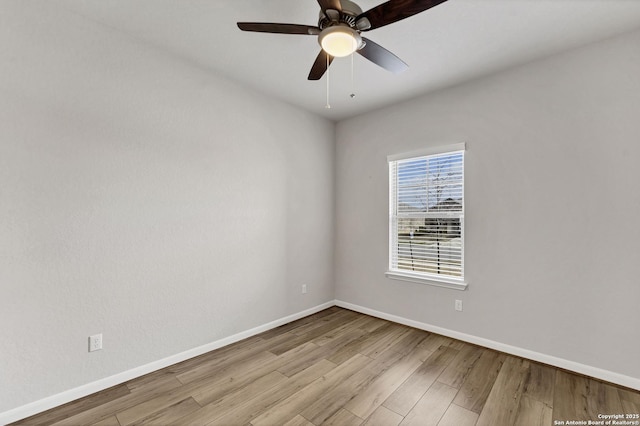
x: 347, y: 16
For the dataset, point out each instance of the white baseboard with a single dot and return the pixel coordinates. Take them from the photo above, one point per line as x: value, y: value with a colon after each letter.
x: 36, y: 407
x: 598, y: 373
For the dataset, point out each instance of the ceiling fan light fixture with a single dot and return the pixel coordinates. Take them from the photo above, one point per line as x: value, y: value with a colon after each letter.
x: 339, y: 41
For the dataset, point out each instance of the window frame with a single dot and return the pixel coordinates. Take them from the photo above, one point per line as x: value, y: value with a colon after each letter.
x: 423, y: 277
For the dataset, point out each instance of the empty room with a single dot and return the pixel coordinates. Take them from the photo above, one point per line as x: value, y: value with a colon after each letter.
x: 320, y: 212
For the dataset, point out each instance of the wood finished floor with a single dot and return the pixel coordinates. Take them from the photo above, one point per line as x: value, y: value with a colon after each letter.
x: 338, y: 367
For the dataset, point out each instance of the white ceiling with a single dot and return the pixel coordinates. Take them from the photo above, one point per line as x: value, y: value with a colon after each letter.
x: 451, y: 43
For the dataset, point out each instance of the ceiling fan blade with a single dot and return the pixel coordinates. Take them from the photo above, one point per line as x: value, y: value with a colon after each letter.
x: 320, y: 66
x: 382, y: 57
x: 267, y: 27
x: 395, y: 10
x: 330, y: 4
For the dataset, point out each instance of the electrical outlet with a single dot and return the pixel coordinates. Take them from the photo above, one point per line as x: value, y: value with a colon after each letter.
x: 458, y: 305
x: 304, y: 289
x: 95, y: 342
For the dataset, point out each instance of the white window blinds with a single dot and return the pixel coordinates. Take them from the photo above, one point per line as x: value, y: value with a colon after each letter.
x: 426, y: 215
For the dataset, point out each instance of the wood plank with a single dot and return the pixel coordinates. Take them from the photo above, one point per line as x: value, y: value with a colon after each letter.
x: 208, y: 393
x: 298, y: 421
x: 170, y: 414
x: 456, y: 372
x: 602, y: 395
x: 432, y: 406
x: 253, y: 407
x: 409, y: 341
x: 87, y: 403
x: 230, y: 401
x: 502, y: 404
x: 338, y: 317
x: 361, y: 344
x: 342, y: 418
x: 109, y: 421
x: 385, y: 342
x: 332, y: 400
x: 307, y: 336
x: 219, y: 364
x: 285, y: 328
x: 101, y: 412
x: 281, y: 412
x: 540, y: 383
x: 224, y: 382
x: 373, y: 324
x: 384, y: 417
x: 458, y: 416
x: 327, y: 350
x: 570, y: 397
x: 250, y: 345
x: 370, y: 398
x: 532, y: 412
x: 458, y: 344
x: 155, y: 385
x: 409, y: 393
x: 433, y: 342
x: 630, y: 401
x: 477, y: 386
x: 337, y: 333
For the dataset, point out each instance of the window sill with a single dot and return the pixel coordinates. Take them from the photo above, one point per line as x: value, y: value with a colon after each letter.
x: 429, y: 280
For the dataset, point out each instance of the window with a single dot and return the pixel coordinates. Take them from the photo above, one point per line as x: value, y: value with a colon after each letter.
x: 426, y: 216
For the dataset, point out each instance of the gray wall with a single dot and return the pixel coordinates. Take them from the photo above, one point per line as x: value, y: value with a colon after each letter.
x: 146, y: 199
x: 552, y: 206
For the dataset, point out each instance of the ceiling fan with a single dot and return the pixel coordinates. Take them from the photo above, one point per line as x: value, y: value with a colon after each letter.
x: 340, y: 25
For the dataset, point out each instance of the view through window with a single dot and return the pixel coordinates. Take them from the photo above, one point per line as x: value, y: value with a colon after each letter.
x: 427, y: 215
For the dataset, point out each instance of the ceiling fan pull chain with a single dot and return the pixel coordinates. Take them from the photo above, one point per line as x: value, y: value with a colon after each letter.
x: 353, y: 90
x: 328, y: 105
